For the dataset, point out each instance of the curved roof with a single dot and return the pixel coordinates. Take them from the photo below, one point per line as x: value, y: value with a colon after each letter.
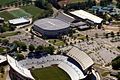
x: 51, y: 24
x: 62, y: 62
x: 2, y: 59
x: 81, y: 57
x: 70, y: 68
x: 23, y: 71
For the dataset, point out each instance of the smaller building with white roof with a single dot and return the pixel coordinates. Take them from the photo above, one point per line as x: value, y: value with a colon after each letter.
x: 2, y: 59
x: 19, y: 21
x: 87, y: 16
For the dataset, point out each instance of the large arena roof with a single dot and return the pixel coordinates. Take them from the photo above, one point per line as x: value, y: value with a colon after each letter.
x: 51, y: 24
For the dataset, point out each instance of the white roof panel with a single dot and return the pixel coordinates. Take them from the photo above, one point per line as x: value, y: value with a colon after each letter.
x: 2, y: 58
x: 81, y: 57
x: 85, y: 15
x: 18, y: 21
x: 23, y: 71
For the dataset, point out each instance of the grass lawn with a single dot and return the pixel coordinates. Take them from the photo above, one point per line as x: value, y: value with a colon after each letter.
x: 2, y: 2
x: 3, y: 35
x: 56, y: 42
x: 2, y: 49
x: 75, y: 1
x: 105, y: 73
x: 19, y: 13
x: 80, y: 36
x: 34, y: 11
x: 50, y: 73
x: 6, y: 15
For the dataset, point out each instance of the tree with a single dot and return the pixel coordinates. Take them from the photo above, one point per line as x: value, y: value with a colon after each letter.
x: 23, y: 46
x: 119, y: 76
x: 5, y: 41
x: 118, y: 5
x: 118, y: 47
x: 17, y: 43
x: 59, y: 52
x: 118, y: 33
x: 49, y: 49
x: 90, y: 3
x: 2, y: 69
x: 32, y: 36
x: 0, y: 6
x: 20, y: 56
x: 41, y: 3
x: 12, y: 27
x: 106, y: 35
x: 87, y: 37
x: 116, y: 63
x: 96, y: 35
x: 31, y: 47
x: 112, y: 34
x: 70, y: 33
x: 39, y: 48
x: 105, y: 2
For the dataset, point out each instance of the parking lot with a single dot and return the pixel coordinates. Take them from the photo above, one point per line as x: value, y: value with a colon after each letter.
x: 102, y: 51
x: 27, y: 39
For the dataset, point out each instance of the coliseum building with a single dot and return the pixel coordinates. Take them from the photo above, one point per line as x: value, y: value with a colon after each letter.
x: 77, y: 64
x: 51, y: 27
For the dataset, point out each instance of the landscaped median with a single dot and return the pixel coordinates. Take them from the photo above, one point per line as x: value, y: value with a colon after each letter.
x: 56, y: 42
x: 4, y: 35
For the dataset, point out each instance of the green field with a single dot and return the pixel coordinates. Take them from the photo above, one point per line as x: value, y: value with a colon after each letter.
x: 34, y: 11
x: 3, y: 35
x: 2, y: 2
x: 2, y: 49
x: 56, y: 42
x: 19, y: 13
x: 50, y: 73
x: 29, y: 11
x: 75, y: 1
x: 6, y: 15
x: 79, y: 37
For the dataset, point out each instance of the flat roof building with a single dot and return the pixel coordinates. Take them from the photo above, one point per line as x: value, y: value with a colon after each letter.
x: 19, y: 21
x: 87, y: 16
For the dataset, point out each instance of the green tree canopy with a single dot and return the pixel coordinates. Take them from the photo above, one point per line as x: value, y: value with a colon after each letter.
x: 21, y: 45
x: 5, y: 41
x: 39, y: 48
x: 31, y: 47
x: 20, y: 56
x: 116, y: 63
x: 49, y: 49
